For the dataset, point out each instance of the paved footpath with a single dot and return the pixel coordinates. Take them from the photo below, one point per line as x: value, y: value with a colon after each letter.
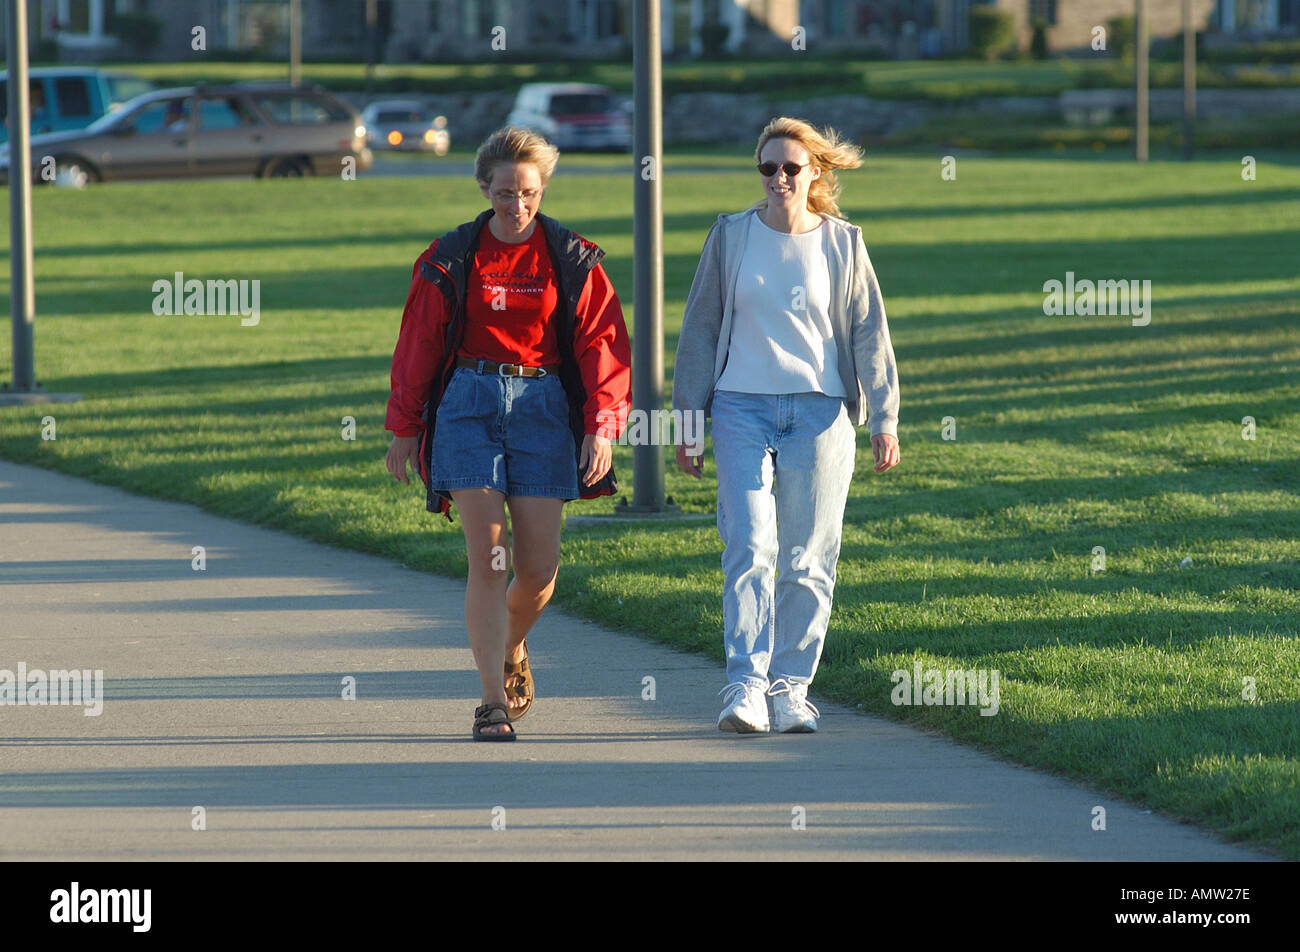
x: 223, y: 690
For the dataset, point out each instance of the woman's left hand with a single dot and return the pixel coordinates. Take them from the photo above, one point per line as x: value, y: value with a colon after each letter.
x: 595, y: 460
x: 885, y: 448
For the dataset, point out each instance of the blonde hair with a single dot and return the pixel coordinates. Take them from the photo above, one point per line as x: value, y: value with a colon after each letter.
x: 826, y: 150
x: 513, y: 144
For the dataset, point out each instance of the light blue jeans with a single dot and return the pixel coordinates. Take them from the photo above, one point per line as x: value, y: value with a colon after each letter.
x: 784, y: 466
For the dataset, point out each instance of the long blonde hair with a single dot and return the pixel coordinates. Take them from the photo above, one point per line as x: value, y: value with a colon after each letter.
x: 513, y: 144
x: 826, y: 150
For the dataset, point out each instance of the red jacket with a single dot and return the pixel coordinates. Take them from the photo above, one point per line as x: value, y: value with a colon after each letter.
x: 595, y: 353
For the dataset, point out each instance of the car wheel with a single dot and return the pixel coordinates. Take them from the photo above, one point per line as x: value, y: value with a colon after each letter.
x: 72, y: 172
x: 283, y: 168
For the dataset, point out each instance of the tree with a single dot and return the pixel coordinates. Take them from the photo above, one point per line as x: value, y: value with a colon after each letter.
x: 991, y: 32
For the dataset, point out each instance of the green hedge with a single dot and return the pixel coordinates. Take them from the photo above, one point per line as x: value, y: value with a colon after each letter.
x: 992, y: 32
x: 1120, y: 36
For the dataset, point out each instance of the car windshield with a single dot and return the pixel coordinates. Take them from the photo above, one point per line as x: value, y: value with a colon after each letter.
x: 111, y: 120
x: 580, y: 102
x: 122, y: 87
x: 108, y: 120
x: 389, y: 116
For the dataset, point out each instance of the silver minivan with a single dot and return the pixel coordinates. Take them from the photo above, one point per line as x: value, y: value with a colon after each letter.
x: 575, y: 117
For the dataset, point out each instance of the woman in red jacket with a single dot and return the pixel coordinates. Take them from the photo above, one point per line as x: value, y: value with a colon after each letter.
x: 510, y: 377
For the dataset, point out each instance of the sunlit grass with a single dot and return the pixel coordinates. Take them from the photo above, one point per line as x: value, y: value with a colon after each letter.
x: 977, y: 552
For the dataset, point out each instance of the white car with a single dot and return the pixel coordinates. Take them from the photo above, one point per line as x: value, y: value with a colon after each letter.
x: 574, y: 117
x: 405, y: 125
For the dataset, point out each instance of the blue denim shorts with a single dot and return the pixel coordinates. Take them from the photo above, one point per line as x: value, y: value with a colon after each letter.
x: 510, y: 434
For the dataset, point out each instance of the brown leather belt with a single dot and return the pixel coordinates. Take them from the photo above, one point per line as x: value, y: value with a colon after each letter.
x: 507, y: 370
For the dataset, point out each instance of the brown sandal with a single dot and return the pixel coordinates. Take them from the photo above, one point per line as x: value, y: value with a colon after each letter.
x: 519, y: 684
x: 483, y: 718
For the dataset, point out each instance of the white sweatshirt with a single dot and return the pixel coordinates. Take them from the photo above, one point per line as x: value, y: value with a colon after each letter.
x: 782, y: 339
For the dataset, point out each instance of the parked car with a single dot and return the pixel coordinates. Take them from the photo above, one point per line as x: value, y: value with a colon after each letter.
x: 576, y: 117
x: 405, y: 125
x: 260, y: 129
x: 64, y: 98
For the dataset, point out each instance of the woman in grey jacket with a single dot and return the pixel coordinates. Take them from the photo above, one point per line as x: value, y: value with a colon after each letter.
x: 784, y: 344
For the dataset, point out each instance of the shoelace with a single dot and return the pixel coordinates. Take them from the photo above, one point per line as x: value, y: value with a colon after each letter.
x: 799, y: 699
x: 735, y: 688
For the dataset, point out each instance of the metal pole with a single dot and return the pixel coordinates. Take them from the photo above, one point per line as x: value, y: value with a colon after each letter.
x: 648, y: 274
x: 295, y: 41
x: 22, y: 297
x: 372, y: 43
x: 1142, y: 39
x: 1189, y: 79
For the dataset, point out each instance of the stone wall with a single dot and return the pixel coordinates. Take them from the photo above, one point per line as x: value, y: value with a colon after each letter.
x: 727, y: 119
x: 692, y: 118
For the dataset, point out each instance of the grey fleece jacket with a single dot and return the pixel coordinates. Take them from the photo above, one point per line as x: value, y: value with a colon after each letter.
x: 863, y: 348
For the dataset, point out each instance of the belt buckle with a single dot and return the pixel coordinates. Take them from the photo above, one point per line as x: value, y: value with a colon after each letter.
x: 501, y: 370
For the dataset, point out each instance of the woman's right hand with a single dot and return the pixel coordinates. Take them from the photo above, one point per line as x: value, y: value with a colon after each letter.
x: 690, y: 459
x: 399, y: 451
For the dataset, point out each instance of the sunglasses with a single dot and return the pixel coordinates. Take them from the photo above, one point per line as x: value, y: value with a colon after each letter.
x: 768, y: 169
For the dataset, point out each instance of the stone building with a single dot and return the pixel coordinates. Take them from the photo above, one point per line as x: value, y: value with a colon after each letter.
x: 1070, y: 23
x: 425, y: 30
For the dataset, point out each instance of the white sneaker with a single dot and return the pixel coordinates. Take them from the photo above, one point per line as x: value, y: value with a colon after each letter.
x: 746, y: 710
x: 794, y: 713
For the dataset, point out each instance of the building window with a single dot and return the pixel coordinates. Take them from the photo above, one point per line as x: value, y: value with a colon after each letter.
x: 78, y: 19
x: 477, y: 17
x: 1044, y: 10
x: 609, y: 20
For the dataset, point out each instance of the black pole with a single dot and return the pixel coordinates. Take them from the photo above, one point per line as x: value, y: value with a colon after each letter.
x: 295, y: 41
x: 1189, y: 79
x: 648, y: 273
x: 22, y: 298
x: 1141, y: 38
x: 372, y: 43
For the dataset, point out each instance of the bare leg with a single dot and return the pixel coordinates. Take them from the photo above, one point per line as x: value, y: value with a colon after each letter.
x: 483, y: 517
x: 535, y: 528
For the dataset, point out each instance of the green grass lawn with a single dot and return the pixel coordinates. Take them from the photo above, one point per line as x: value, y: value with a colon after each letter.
x: 1071, y: 433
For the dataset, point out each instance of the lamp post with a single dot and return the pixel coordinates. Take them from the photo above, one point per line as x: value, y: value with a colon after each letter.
x: 1189, y: 79
x: 648, y: 269
x: 1141, y: 83
x: 22, y: 296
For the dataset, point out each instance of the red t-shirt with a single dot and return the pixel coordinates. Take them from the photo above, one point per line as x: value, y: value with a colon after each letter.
x: 509, y: 302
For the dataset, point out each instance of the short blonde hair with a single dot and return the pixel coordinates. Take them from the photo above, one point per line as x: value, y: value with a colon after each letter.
x: 513, y: 144
x: 826, y: 150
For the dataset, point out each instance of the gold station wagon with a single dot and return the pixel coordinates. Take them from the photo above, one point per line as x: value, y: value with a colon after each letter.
x: 262, y: 129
